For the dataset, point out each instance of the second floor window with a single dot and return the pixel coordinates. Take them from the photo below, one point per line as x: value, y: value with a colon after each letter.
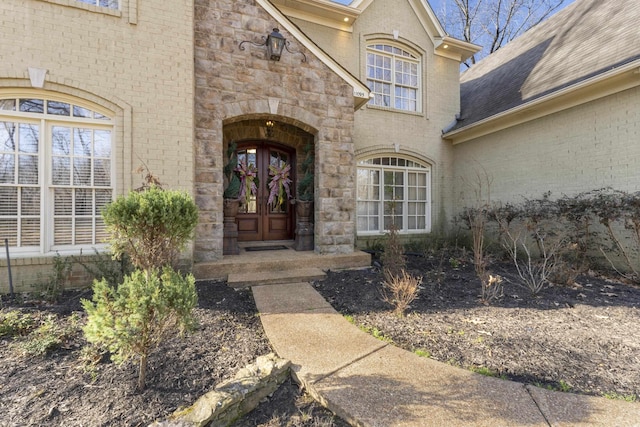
x: 393, y: 77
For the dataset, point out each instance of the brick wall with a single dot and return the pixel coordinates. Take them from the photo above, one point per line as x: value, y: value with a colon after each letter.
x: 136, y: 62
x: 142, y: 71
x: 587, y: 147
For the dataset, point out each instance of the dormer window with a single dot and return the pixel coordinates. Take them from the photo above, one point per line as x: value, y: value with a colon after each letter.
x: 393, y: 77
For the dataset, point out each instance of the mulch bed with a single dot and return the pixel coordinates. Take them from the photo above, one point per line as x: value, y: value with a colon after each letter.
x: 579, y: 338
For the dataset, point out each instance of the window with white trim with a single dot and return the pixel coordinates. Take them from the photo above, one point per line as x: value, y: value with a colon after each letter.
x: 56, y: 174
x: 393, y: 190
x: 110, y: 4
x: 393, y: 76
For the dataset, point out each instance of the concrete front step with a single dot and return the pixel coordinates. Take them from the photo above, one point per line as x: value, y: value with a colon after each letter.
x: 242, y: 280
x: 267, y: 262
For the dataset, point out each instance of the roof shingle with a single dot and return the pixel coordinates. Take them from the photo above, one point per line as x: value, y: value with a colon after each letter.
x: 587, y: 38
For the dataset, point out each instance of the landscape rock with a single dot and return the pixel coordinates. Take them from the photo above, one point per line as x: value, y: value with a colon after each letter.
x: 233, y: 398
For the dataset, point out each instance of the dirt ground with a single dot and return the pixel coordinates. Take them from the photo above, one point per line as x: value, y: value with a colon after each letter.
x: 578, y: 338
x: 59, y: 390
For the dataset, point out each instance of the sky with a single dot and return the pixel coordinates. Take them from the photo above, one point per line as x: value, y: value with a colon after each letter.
x: 435, y: 4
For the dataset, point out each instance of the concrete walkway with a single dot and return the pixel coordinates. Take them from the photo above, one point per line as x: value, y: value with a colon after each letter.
x: 371, y: 383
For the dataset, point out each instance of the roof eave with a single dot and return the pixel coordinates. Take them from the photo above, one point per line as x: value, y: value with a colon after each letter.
x: 604, y: 84
x: 323, y: 12
x: 456, y: 49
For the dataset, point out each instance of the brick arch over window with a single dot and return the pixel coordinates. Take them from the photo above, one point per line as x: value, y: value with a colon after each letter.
x: 393, y: 189
x: 56, y: 170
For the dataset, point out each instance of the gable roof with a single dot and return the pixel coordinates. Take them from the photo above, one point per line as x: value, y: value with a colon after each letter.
x: 586, y: 42
x: 360, y: 90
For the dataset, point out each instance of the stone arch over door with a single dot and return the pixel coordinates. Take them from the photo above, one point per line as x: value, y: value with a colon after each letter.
x: 210, y: 181
x: 262, y: 135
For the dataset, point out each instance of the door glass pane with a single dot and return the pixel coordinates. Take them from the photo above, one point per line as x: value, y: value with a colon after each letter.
x: 280, y: 172
x: 248, y: 159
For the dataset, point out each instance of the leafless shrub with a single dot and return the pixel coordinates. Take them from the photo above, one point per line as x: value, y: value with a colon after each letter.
x: 400, y: 291
x: 534, y: 270
x: 619, y: 213
x: 392, y: 258
x: 492, y: 290
x: 476, y: 217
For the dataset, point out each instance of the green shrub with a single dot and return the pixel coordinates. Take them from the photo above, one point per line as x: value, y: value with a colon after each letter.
x: 232, y: 184
x: 59, y: 279
x: 15, y: 323
x: 134, y: 318
x: 50, y: 335
x: 150, y: 226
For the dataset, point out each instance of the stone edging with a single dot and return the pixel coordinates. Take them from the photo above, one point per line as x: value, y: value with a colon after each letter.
x: 233, y: 398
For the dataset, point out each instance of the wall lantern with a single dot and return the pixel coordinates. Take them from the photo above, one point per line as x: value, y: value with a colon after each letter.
x: 269, y: 126
x: 275, y: 43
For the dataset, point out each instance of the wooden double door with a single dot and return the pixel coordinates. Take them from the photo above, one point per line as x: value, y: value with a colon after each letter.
x: 258, y: 220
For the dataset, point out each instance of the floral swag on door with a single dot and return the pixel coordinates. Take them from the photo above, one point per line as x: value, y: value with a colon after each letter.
x: 249, y: 181
x: 279, y: 184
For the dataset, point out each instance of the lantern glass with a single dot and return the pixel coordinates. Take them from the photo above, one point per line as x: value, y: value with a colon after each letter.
x: 275, y: 45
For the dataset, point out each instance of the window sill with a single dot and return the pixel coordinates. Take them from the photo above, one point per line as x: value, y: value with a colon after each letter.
x: 382, y: 233
x: 95, y: 9
x: 395, y: 110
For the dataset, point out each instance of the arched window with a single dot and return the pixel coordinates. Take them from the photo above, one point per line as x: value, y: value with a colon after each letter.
x: 393, y: 75
x: 56, y: 173
x: 393, y: 190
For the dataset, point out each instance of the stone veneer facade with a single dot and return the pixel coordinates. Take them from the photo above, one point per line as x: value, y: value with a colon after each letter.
x: 236, y: 88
